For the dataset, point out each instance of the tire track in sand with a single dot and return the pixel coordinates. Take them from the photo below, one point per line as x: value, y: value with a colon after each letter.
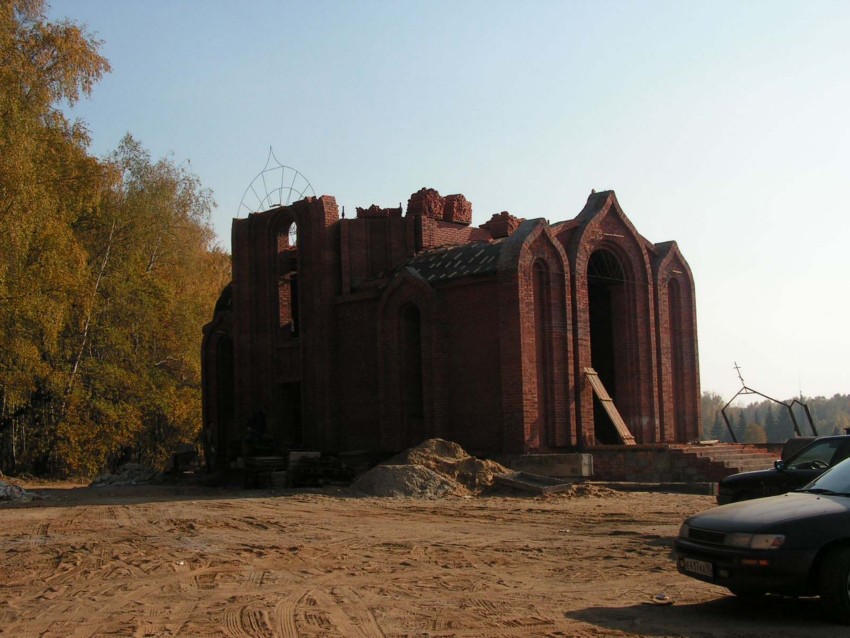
x: 241, y: 621
x: 342, y: 611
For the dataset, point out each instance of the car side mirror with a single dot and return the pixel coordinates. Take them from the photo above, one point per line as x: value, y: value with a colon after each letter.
x: 779, y: 465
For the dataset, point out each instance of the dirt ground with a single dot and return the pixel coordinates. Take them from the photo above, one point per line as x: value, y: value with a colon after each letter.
x: 190, y: 561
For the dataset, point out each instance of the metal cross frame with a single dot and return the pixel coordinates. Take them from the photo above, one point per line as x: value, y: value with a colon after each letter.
x: 788, y: 406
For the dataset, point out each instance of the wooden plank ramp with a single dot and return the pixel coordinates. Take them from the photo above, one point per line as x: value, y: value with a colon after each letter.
x: 609, y: 407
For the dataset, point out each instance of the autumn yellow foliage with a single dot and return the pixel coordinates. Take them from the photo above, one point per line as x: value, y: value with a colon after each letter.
x: 108, y: 270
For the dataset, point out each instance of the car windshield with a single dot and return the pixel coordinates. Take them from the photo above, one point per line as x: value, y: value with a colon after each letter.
x: 818, y: 455
x: 834, y: 481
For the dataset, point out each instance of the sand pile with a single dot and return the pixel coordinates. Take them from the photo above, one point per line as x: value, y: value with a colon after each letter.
x: 406, y: 480
x: 9, y: 492
x: 128, y: 474
x: 432, y: 469
x: 451, y: 460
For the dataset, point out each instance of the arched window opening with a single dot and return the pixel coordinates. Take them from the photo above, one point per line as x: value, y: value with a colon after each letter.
x: 543, y: 430
x: 287, y: 278
x: 411, y: 362
x: 605, y: 290
x: 287, y: 237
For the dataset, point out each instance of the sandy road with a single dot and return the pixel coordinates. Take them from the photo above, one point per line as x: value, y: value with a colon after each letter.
x: 167, y: 561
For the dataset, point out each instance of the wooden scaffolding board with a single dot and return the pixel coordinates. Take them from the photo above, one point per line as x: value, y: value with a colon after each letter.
x: 609, y: 407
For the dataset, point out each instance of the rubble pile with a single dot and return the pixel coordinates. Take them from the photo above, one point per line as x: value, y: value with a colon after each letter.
x: 590, y: 490
x: 9, y: 492
x: 432, y: 469
x: 128, y: 474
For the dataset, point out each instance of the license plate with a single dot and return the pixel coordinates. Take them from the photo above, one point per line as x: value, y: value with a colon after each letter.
x: 701, y: 567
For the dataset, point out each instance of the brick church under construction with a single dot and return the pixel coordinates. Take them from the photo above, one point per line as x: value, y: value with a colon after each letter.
x: 515, y: 337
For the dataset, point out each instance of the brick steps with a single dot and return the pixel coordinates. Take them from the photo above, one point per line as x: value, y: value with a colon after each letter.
x: 718, y: 461
x: 678, y: 463
x: 730, y: 455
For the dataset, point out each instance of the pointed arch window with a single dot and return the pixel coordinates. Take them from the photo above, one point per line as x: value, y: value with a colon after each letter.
x: 677, y: 362
x: 543, y: 349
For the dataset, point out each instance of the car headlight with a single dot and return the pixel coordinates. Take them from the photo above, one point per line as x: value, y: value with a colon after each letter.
x: 755, y: 541
x: 684, y: 530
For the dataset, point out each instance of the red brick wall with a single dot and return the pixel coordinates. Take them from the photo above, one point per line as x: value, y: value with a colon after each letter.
x: 356, y: 377
x: 373, y: 247
x: 440, y: 233
x: 679, y: 396
x: 472, y: 363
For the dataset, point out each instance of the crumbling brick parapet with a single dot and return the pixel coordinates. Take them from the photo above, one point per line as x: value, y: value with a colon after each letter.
x: 376, y: 212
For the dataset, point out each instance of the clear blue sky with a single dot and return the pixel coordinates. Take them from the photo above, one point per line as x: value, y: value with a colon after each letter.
x: 722, y: 125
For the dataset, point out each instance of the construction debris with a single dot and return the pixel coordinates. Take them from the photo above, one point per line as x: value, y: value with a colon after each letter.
x: 128, y: 474
x: 10, y: 492
x: 533, y: 483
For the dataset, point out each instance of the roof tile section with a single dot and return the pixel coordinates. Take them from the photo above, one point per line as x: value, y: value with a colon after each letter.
x: 447, y: 263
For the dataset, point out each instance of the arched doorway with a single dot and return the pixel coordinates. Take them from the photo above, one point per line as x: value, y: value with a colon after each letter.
x: 606, y: 291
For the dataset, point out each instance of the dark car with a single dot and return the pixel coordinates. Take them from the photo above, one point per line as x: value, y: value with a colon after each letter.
x: 797, y: 470
x: 795, y: 544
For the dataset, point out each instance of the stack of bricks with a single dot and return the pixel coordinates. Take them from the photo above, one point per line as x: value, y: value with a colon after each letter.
x: 457, y: 209
x: 426, y: 202
x: 502, y: 225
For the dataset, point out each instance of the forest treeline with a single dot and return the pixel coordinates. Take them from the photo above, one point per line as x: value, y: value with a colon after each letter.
x: 770, y: 422
x: 108, y: 270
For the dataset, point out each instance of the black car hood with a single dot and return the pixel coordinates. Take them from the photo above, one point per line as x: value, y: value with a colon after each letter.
x: 749, y: 477
x: 749, y: 516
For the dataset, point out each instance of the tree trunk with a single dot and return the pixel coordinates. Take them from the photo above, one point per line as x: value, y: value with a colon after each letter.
x: 72, y: 377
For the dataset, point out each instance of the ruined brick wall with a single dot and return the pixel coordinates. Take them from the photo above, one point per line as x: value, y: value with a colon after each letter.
x: 255, y: 312
x: 501, y: 351
x: 264, y: 356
